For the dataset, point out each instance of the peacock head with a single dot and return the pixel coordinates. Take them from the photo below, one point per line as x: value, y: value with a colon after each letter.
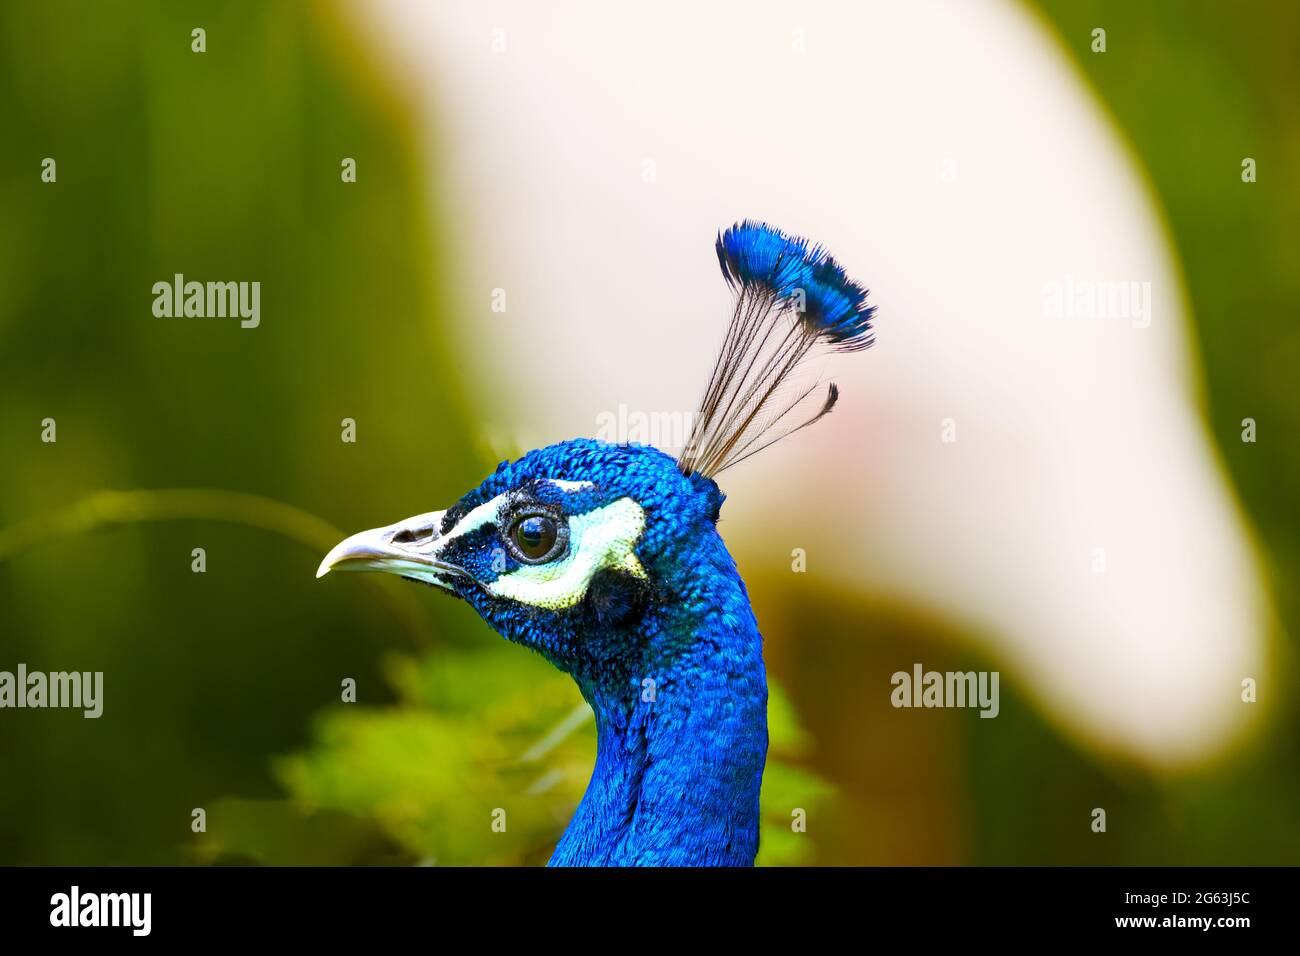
x: 563, y: 550
x: 591, y: 552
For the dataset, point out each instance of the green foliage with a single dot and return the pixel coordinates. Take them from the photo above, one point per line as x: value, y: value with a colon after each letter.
x: 474, y: 734
x: 222, y: 165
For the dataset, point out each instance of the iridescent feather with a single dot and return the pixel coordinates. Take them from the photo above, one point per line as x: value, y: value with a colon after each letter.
x: 792, y: 298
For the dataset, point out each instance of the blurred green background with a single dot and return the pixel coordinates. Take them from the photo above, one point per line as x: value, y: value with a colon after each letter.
x: 222, y: 688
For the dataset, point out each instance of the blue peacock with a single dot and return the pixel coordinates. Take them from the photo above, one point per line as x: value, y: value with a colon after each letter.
x: 606, y: 560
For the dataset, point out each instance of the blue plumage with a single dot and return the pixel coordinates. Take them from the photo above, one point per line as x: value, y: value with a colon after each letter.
x: 756, y: 255
x: 679, y: 690
x: 606, y: 559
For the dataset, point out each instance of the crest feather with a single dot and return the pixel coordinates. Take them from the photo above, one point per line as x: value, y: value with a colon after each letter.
x: 791, y: 298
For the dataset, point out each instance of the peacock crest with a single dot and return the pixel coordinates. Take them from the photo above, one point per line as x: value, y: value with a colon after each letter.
x: 792, y: 300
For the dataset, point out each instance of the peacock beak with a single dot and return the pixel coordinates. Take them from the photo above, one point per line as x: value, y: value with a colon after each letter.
x: 408, y: 548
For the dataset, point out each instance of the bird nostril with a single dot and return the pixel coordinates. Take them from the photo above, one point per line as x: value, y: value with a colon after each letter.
x: 412, y: 535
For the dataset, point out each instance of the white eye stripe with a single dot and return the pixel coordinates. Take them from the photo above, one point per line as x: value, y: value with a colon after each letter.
x: 486, y: 513
x: 565, y: 485
x: 603, y: 538
x: 489, y: 511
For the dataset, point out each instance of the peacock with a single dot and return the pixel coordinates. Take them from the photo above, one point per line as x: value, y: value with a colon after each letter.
x: 606, y: 559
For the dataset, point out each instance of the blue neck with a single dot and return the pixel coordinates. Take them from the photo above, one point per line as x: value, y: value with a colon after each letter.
x: 679, y: 761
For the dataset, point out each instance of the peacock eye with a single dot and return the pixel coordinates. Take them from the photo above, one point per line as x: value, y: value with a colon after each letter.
x: 536, y: 538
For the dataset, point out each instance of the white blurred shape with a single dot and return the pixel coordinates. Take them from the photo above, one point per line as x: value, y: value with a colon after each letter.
x: 950, y: 157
